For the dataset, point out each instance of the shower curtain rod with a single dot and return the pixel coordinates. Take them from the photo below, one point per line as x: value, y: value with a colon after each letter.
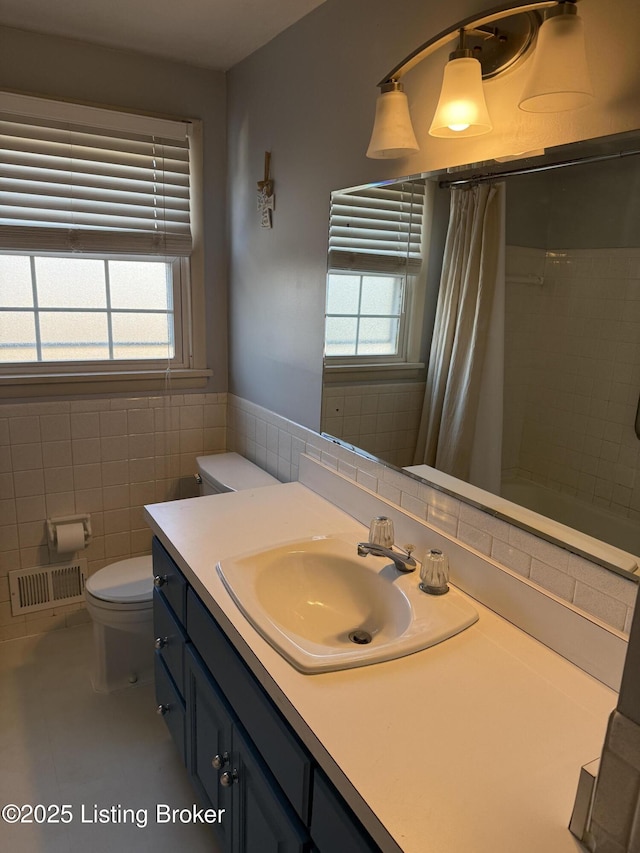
x: 543, y: 167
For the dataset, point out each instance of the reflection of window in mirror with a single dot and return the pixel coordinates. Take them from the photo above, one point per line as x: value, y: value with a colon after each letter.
x: 376, y: 277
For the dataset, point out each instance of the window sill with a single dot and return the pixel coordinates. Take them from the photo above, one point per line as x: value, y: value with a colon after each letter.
x: 19, y: 386
x: 346, y: 373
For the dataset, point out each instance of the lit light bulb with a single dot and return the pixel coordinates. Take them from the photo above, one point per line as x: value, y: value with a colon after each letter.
x: 461, y: 108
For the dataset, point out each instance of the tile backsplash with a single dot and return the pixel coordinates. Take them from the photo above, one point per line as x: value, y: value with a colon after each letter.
x: 275, y: 443
x: 107, y: 457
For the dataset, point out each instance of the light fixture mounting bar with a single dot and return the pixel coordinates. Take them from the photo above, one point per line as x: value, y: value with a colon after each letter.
x: 469, y: 24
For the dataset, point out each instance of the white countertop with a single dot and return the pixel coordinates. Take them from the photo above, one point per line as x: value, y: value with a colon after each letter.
x: 473, y: 745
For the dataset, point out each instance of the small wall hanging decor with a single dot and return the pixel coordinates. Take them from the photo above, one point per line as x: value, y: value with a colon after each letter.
x: 266, y: 196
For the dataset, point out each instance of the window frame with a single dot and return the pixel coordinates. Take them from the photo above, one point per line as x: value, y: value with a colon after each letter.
x: 188, y: 368
x: 400, y: 355
x: 181, y: 357
x: 347, y: 258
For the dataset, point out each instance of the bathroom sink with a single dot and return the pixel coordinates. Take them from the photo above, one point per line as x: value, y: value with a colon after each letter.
x: 325, y: 608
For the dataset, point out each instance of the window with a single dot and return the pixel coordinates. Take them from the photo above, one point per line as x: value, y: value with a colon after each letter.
x: 364, y: 314
x: 95, y: 242
x: 76, y: 309
x: 375, y: 259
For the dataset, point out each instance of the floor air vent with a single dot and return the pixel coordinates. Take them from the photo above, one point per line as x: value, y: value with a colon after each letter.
x: 45, y: 586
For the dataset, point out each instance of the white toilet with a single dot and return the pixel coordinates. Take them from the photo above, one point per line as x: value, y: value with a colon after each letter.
x: 119, y: 597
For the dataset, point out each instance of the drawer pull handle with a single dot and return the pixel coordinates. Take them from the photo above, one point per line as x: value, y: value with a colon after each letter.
x: 219, y: 761
x: 161, y: 710
x: 228, y: 778
x: 161, y: 642
x: 159, y: 580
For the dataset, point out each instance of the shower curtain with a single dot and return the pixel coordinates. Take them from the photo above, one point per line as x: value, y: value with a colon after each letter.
x: 461, y: 426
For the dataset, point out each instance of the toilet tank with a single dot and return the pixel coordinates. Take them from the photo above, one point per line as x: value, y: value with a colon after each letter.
x: 230, y: 472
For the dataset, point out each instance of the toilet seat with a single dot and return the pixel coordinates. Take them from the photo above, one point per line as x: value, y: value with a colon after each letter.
x: 95, y: 603
x: 125, y: 585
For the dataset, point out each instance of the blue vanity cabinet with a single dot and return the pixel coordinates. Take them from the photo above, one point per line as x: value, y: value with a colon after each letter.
x: 171, y: 706
x: 170, y: 640
x: 169, y: 604
x: 209, y: 747
x: 240, y: 752
x: 228, y: 773
x: 169, y: 580
x: 333, y: 825
x: 265, y: 820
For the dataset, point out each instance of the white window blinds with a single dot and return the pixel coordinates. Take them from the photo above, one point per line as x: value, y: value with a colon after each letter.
x: 82, y: 179
x: 377, y: 228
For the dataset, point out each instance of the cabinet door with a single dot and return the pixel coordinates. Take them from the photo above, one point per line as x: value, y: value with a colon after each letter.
x: 263, y: 819
x: 334, y: 827
x: 209, y: 745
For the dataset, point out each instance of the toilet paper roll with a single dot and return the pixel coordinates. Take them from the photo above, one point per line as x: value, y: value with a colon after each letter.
x: 69, y: 537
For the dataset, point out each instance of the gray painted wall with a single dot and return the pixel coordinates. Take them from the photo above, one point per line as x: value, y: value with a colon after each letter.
x: 308, y: 97
x: 592, y: 206
x: 68, y: 69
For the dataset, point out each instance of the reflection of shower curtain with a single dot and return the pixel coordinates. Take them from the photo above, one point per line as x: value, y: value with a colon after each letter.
x: 461, y: 427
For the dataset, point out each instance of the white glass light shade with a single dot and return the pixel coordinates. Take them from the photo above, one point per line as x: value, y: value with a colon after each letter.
x: 392, y: 134
x: 461, y: 110
x: 559, y: 79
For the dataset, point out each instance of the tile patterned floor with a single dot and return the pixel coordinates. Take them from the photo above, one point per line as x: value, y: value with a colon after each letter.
x: 62, y: 743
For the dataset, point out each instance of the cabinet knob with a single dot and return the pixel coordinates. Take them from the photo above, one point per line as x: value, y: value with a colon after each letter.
x: 161, y: 710
x: 228, y: 778
x: 219, y: 761
x: 161, y: 642
x: 159, y: 580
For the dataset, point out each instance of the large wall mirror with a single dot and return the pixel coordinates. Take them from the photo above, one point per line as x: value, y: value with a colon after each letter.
x: 558, y: 390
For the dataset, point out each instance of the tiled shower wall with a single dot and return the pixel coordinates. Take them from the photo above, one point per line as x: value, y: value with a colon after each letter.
x: 380, y: 417
x: 275, y: 444
x: 572, y: 361
x: 107, y: 457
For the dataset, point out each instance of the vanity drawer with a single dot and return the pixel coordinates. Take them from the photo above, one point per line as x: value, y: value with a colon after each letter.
x: 170, y: 706
x: 276, y: 742
x: 169, y: 639
x: 333, y: 825
x: 169, y: 580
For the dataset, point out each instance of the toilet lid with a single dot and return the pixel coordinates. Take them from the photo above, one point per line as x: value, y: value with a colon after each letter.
x: 126, y: 581
x: 231, y: 472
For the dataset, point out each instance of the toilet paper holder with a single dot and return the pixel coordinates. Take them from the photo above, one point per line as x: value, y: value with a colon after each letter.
x: 53, y: 523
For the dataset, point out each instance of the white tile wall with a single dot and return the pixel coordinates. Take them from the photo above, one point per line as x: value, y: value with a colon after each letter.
x: 380, y: 417
x: 572, y: 354
x: 593, y: 589
x: 142, y: 450
x: 108, y: 457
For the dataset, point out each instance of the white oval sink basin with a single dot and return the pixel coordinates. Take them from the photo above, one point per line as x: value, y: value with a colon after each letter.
x: 325, y: 608
x: 324, y: 596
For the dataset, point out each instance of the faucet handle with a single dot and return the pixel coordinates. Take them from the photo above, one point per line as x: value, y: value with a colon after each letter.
x: 381, y: 531
x: 434, y: 574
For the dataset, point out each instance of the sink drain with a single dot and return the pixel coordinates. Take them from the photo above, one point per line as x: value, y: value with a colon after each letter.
x: 360, y: 637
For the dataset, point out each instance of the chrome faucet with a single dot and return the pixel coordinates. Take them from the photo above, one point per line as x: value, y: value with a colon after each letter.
x: 404, y: 562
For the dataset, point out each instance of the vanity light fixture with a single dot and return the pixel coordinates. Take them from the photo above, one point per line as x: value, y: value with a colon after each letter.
x: 488, y: 45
